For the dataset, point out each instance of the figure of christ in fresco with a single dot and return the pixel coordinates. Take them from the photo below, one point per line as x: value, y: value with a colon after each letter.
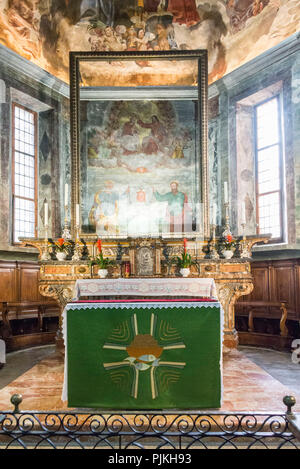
x: 130, y: 140
x: 184, y: 12
x: 157, y: 138
x: 176, y: 205
x: 104, y: 212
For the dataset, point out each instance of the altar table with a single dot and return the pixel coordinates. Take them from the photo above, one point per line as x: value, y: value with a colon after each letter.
x: 143, y: 354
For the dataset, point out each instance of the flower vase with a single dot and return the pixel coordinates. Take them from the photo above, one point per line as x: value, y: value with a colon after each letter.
x: 102, y: 273
x: 227, y: 253
x: 185, y: 271
x: 60, y: 256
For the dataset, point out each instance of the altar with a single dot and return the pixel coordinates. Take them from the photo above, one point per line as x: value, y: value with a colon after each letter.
x: 159, y: 352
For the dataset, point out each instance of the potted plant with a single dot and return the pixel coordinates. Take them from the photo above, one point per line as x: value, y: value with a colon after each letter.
x: 227, y: 245
x: 61, y: 249
x: 184, y: 261
x: 102, y: 262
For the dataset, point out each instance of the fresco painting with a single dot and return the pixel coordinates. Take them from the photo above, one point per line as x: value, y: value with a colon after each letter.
x: 233, y: 31
x: 142, y: 167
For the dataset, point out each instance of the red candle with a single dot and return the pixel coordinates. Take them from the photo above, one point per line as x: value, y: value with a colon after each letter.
x: 99, y: 244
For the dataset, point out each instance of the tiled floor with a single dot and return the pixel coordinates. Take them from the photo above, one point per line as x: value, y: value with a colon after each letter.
x: 19, y: 362
x: 277, y: 364
x: 247, y: 385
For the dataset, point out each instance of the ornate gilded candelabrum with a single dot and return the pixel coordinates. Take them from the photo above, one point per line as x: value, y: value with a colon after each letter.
x: 244, y: 245
x: 66, y: 234
x: 227, y: 231
x: 213, y: 254
x: 77, y: 249
x: 45, y: 255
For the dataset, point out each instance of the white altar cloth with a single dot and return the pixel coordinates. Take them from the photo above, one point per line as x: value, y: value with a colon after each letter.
x: 187, y: 287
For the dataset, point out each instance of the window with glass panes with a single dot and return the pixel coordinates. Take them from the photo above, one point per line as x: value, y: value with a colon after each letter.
x: 24, y: 172
x: 269, y: 169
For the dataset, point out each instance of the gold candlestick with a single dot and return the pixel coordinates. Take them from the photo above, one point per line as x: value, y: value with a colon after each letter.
x: 45, y: 255
x: 77, y: 249
x: 245, y: 253
x: 66, y: 234
x: 227, y: 231
x: 213, y: 251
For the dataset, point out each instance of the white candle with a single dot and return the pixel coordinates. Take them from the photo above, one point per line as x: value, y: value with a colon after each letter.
x: 66, y: 194
x: 243, y: 213
x: 77, y: 214
x: 214, y: 214
x: 45, y: 213
x: 225, y: 192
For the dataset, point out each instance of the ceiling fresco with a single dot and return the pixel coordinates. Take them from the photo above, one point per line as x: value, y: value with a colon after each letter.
x: 233, y: 31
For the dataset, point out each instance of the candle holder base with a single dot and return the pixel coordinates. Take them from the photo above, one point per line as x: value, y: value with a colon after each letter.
x: 214, y: 253
x: 66, y: 234
x: 77, y: 251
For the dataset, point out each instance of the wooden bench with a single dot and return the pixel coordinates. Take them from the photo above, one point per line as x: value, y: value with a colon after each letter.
x: 257, y: 309
x: 20, y: 310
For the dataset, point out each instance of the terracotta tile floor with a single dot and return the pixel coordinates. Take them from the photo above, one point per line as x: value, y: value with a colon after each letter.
x: 247, y: 387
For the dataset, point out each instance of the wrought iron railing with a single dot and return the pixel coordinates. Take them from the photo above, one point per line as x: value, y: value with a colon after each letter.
x: 148, y: 430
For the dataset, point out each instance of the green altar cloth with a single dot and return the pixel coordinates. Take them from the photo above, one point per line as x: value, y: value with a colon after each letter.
x: 143, y: 355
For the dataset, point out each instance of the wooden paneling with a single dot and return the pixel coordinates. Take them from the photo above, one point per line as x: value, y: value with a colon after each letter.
x: 19, y: 284
x: 261, y: 284
x: 29, y: 277
x: 8, y: 281
x: 277, y: 280
x: 19, y: 281
x: 283, y: 285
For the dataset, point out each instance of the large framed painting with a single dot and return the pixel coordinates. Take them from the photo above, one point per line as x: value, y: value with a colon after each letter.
x: 138, y: 139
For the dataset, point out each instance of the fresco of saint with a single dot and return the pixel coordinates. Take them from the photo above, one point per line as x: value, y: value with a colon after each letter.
x: 176, y: 203
x: 104, y: 213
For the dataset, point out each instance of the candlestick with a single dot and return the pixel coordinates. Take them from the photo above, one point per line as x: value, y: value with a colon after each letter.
x: 244, y: 251
x: 243, y: 217
x: 46, y: 214
x: 227, y: 231
x: 66, y: 195
x: 213, y: 253
x: 77, y: 215
x: 45, y: 254
x: 214, y: 214
x: 77, y: 249
x: 225, y: 192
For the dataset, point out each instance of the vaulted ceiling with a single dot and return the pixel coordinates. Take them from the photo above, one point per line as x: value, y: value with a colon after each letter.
x: 233, y: 31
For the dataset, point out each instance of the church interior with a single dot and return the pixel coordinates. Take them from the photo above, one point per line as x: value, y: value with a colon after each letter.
x: 150, y: 214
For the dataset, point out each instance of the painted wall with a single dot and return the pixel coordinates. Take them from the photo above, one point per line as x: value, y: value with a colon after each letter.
x: 231, y: 149
x: 53, y: 151
x: 233, y: 31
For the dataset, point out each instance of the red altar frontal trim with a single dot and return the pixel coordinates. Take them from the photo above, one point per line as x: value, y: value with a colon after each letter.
x: 149, y: 300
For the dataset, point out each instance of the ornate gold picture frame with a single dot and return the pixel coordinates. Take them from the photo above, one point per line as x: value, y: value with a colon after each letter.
x: 153, y: 136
